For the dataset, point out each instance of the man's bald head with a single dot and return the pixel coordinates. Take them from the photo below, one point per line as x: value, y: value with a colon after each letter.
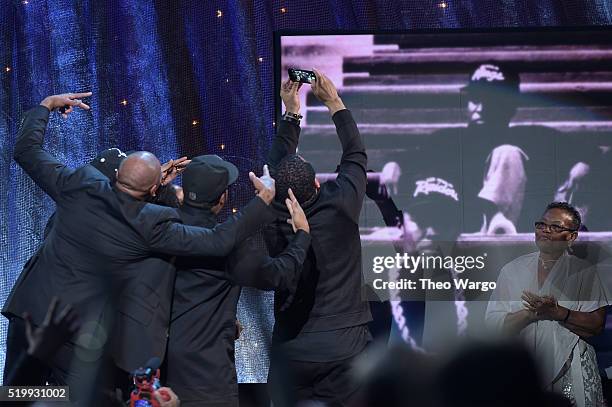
x: 139, y: 174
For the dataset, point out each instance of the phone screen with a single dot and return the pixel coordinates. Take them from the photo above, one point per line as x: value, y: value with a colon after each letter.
x: 301, y: 75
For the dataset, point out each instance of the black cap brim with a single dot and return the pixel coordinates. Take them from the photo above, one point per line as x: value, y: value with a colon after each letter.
x: 216, y: 161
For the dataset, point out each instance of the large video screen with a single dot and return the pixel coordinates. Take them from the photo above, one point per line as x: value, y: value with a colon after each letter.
x: 470, y: 135
x: 513, y: 120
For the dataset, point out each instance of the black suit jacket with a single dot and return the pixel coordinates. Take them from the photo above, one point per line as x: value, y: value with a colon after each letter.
x: 200, y: 365
x: 107, y: 253
x: 329, y: 295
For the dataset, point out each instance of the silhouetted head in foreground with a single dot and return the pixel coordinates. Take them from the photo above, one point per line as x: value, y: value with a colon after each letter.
x: 398, y: 377
x: 493, y: 375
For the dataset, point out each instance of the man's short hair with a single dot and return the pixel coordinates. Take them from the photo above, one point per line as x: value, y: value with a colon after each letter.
x: 576, y: 218
x: 298, y: 174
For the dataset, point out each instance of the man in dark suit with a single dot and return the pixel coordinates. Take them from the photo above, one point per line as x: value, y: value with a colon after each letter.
x: 103, y: 238
x: 107, y: 162
x: 200, y: 360
x: 317, y: 338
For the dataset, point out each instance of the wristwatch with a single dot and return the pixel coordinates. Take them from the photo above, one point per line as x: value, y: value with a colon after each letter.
x: 292, y: 117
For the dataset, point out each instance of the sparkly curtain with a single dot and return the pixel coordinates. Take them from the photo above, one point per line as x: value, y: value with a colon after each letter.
x: 183, y: 78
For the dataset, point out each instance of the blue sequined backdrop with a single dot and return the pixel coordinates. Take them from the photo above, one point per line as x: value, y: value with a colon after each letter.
x: 184, y: 78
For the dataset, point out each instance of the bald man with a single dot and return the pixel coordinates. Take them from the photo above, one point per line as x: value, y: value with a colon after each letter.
x: 108, y: 253
x: 139, y: 175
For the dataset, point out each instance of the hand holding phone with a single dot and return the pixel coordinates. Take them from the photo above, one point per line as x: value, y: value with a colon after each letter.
x: 325, y: 90
x: 289, y: 94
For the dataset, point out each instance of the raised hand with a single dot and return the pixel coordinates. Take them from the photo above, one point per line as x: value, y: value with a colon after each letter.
x: 325, y: 90
x: 67, y: 101
x: 376, y: 191
x: 289, y: 93
x: 45, y: 340
x: 172, y: 169
x: 298, y: 217
x: 264, y: 186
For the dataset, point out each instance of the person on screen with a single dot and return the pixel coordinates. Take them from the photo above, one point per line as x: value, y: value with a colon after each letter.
x: 444, y: 312
x: 431, y: 223
x: 491, y: 103
x: 553, y: 301
x: 319, y: 336
x: 490, y: 161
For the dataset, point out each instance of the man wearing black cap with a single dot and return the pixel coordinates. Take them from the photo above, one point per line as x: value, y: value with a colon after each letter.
x: 434, y: 208
x: 200, y: 363
x: 491, y: 103
x: 431, y: 226
x: 516, y: 161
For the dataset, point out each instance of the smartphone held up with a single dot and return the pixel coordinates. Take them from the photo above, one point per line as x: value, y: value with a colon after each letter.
x: 301, y: 75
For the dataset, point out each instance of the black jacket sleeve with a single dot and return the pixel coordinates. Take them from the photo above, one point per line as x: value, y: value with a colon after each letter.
x: 352, y: 178
x: 249, y: 266
x: 171, y: 237
x: 284, y: 144
x: 46, y: 171
x: 392, y: 216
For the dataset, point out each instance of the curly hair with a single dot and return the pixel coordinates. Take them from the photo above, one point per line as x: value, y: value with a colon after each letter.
x: 576, y: 218
x: 296, y: 173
